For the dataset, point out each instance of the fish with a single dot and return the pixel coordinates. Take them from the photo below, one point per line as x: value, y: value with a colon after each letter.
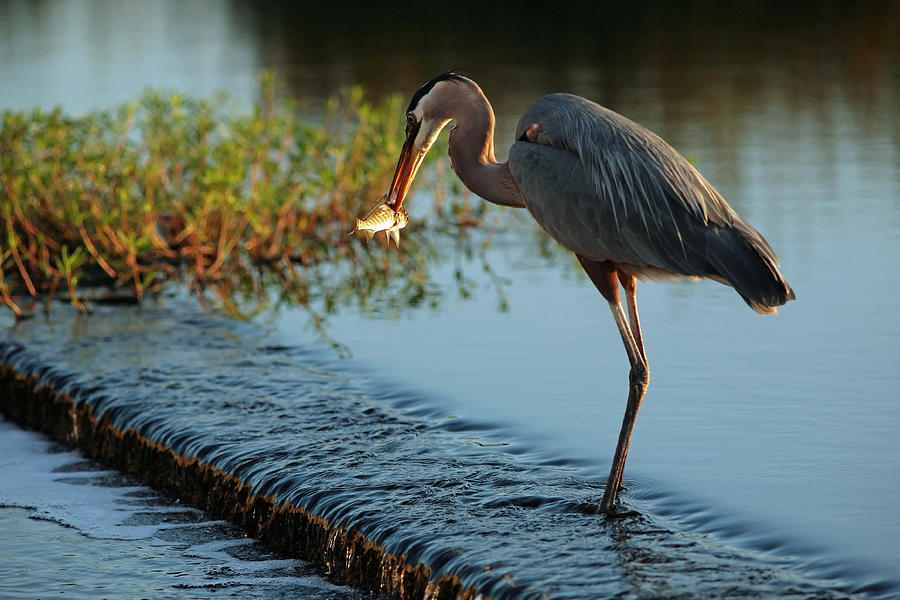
x: 382, y: 218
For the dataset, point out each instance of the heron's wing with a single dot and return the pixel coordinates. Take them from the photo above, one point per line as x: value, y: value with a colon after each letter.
x: 609, y: 189
x: 561, y: 195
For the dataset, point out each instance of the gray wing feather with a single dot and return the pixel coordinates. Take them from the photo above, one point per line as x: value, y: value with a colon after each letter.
x: 609, y: 189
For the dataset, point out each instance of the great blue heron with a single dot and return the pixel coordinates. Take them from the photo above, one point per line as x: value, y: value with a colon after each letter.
x: 611, y: 191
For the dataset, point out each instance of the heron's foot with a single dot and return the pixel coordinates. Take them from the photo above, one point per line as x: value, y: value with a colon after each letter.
x: 614, y: 509
x: 607, y: 507
x: 611, y: 493
x: 618, y: 513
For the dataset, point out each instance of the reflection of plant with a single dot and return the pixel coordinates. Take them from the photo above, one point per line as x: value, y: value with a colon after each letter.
x: 173, y: 188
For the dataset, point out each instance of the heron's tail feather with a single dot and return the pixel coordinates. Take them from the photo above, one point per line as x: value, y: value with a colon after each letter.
x: 745, y: 260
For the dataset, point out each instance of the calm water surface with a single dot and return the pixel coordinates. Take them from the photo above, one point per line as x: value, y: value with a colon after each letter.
x: 778, y: 434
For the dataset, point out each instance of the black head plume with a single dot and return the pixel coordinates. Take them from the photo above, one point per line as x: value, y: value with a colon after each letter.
x: 422, y: 91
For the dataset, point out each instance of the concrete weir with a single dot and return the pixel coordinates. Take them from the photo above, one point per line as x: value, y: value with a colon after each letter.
x: 345, y: 553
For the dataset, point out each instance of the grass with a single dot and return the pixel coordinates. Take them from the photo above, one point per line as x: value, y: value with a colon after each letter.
x: 170, y: 188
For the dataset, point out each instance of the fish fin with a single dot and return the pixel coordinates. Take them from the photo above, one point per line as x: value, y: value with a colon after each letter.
x: 395, y: 235
x: 369, y: 235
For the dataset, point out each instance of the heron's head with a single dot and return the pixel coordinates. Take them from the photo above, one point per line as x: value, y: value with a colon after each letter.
x: 431, y: 108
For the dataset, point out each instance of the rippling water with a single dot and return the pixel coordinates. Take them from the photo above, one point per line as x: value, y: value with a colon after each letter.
x: 362, y: 451
x: 772, y: 435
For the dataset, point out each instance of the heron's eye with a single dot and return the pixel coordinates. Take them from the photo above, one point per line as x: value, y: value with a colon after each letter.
x: 410, y: 122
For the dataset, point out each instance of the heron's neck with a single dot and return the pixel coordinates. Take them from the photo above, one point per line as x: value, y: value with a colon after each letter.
x: 472, y: 156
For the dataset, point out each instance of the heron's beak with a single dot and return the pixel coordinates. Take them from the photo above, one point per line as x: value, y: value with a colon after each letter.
x: 410, y: 160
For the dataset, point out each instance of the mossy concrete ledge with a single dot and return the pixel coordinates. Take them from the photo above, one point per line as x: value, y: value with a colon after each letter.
x: 345, y: 554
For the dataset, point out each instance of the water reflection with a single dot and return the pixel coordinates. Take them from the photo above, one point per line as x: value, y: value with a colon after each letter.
x: 376, y: 279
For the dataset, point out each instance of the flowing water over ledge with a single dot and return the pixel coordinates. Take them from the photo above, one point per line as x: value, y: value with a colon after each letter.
x: 367, y: 455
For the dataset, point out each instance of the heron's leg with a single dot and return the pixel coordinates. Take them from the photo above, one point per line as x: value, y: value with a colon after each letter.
x: 639, y: 378
x: 606, y: 278
x: 629, y: 282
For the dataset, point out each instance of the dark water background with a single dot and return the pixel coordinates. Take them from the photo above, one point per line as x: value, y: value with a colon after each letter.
x: 771, y: 434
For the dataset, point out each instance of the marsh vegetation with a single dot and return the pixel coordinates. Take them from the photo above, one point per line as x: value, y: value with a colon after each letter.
x: 228, y: 202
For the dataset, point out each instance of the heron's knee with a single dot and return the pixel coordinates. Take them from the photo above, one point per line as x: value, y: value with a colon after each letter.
x: 640, y: 375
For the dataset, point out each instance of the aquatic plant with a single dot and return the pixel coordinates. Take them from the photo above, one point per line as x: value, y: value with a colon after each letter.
x: 172, y: 188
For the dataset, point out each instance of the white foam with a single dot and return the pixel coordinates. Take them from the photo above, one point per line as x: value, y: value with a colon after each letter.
x: 216, y: 550
x: 309, y: 581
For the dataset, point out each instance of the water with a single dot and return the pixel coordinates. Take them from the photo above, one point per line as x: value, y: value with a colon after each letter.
x: 772, y: 435
x: 65, y: 519
x: 365, y: 453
